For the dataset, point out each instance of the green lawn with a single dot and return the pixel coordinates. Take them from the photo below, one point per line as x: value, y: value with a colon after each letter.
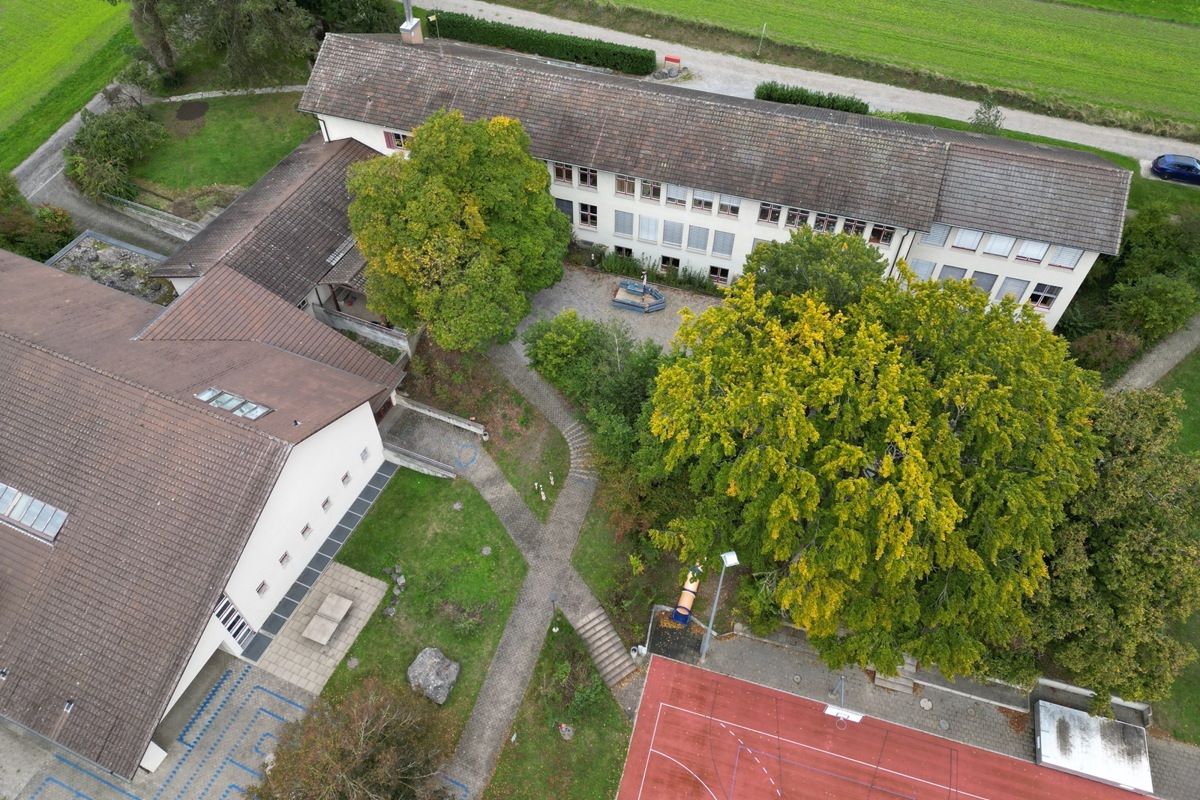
x: 566, y: 689
x: 1046, y: 49
x: 457, y: 599
x: 1171, y: 10
x: 236, y: 142
x: 1186, y: 378
x: 57, y: 55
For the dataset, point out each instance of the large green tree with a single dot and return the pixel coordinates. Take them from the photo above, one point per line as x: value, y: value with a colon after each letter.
x: 459, y: 233
x: 901, y: 464
x: 1126, y: 570
x: 839, y: 268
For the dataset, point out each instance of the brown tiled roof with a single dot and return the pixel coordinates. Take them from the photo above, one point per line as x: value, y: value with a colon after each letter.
x: 856, y: 166
x: 281, y: 232
x: 226, y: 306
x: 161, y: 491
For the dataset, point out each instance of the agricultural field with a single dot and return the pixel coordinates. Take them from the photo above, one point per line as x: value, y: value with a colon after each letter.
x: 56, y: 54
x: 1078, y: 54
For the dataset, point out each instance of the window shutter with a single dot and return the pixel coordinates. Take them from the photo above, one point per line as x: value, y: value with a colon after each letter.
x: 937, y: 235
x: 673, y: 233
x: 921, y: 268
x: 648, y: 228
x: 952, y: 274
x: 624, y: 224
x: 985, y: 282
x: 697, y: 238
x: 1066, y: 257
x: 967, y: 239
x: 676, y: 194
x: 722, y: 244
x: 1032, y: 251
x: 1015, y: 287
x: 1000, y: 245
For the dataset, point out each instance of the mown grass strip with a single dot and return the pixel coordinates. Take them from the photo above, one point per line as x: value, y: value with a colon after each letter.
x: 1110, y: 70
x: 68, y: 96
x: 1186, y: 13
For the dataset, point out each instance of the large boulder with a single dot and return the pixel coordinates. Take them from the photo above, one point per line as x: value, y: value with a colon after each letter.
x: 433, y: 674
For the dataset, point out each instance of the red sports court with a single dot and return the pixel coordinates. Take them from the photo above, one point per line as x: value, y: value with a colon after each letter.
x: 707, y: 736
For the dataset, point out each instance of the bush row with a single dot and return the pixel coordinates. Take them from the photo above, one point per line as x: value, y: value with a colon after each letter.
x: 619, y: 57
x: 799, y: 96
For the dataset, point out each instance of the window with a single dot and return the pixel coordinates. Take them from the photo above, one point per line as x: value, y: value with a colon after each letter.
x: 30, y: 515
x: 826, y: 223
x: 952, y: 274
x: 730, y: 206
x: 1067, y: 257
x: 262, y: 588
x: 722, y: 244
x: 651, y: 190
x: 623, y: 252
x: 937, y: 235
x: 587, y: 178
x: 921, y: 268
x: 395, y: 140
x: 285, y: 558
x: 623, y: 225
x: 697, y: 238
x: 719, y: 275
x: 232, y: 620
x: 648, y: 228
x: 967, y: 239
x: 854, y: 227
x: 676, y: 195
x: 673, y: 234
x: 702, y: 200
x: 587, y: 215
x: 669, y: 262
x: 227, y: 401
x: 1043, y: 295
x: 769, y: 213
x: 999, y: 245
x: 796, y: 218
x: 757, y: 242
x: 1014, y: 287
x: 564, y: 173
x: 346, y: 479
x: 305, y: 531
x: 364, y: 455
x: 1032, y: 251
x: 882, y: 234
x: 626, y: 185
x: 984, y: 282
x: 325, y: 504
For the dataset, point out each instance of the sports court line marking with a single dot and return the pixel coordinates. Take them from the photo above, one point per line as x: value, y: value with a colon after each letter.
x: 809, y: 768
x: 680, y: 763
x: 802, y: 746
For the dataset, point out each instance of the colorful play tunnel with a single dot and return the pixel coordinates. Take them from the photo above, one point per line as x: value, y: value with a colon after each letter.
x: 683, y: 609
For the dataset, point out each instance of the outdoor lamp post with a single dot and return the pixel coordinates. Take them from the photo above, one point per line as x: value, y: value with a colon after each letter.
x: 727, y: 560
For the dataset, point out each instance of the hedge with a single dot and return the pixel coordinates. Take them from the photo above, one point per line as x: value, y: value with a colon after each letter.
x: 619, y: 57
x: 797, y: 96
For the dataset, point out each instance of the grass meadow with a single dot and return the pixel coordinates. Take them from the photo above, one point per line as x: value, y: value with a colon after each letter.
x: 54, y: 56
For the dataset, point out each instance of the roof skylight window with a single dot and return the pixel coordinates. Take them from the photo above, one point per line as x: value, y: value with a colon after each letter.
x: 30, y: 515
x: 227, y: 401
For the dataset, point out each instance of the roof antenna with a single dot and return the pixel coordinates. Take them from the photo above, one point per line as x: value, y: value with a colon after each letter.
x: 295, y: 423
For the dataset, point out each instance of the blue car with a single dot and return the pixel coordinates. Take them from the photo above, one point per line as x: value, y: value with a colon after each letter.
x: 1176, y: 168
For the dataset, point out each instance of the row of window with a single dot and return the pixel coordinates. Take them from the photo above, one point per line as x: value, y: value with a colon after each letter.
x: 716, y: 274
x: 698, y: 237
x: 1042, y: 296
x: 725, y: 205
x: 1002, y: 246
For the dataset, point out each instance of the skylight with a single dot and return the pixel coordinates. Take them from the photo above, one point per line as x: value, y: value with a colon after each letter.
x: 29, y: 515
x: 228, y: 401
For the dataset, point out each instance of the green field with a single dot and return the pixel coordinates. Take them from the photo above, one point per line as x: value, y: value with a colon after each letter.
x: 1158, y: 9
x: 1069, y: 52
x: 44, y: 41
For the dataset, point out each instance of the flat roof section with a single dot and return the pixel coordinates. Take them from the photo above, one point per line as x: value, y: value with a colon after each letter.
x: 1104, y: 750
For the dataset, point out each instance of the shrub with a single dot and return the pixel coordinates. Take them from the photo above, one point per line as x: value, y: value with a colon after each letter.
x: 98, y: 158
x: 988, y: 118
x: 619, y: 57
x: 1106, y: 349
x: 1154, y: 306
x: 33, y: 233
x: 692, y: 280
x: 799, y: 96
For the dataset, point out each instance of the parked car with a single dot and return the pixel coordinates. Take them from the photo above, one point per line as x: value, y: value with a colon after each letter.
x: 1177, y: 168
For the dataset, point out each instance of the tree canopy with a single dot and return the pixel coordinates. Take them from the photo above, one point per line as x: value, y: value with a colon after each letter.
x: 839, y: 268
x: 458, y: 234
x: 1127, y: 565
x: 371, y: 744
x: 901, y: 464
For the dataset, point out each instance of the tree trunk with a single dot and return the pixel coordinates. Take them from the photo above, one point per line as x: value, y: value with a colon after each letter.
x: 153, y: 34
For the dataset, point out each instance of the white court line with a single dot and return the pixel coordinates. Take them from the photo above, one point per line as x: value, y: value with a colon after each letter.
x: 803, y: 746
x: 680, y: 763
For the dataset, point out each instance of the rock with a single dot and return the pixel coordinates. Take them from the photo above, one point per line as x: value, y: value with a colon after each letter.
x: 458, y: 506
x: 739, y: 627
x: 399, y: 570
x: 388, y: 571
x: 487, y: 551
x: 351, y: 663
x: 433, y: 674
x: 400, y: 581
x: 660, y: 74
x: 390, y: 611
x: 566, y: 731
x: 397, y: 589
x: 672, y: 72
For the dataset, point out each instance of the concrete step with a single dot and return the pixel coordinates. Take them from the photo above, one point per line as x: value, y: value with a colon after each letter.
x: 605, y: 646
x: 898, y: 683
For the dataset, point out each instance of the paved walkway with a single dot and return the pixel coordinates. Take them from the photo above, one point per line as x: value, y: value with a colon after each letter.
x: 731, y: 75
x: 1155, y: 363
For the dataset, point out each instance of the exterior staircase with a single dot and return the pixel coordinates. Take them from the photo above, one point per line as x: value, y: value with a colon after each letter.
x: 605, y: 646
x: 902, y: 681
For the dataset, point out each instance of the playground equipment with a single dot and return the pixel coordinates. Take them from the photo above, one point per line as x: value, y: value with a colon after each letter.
x: 683, y: 609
